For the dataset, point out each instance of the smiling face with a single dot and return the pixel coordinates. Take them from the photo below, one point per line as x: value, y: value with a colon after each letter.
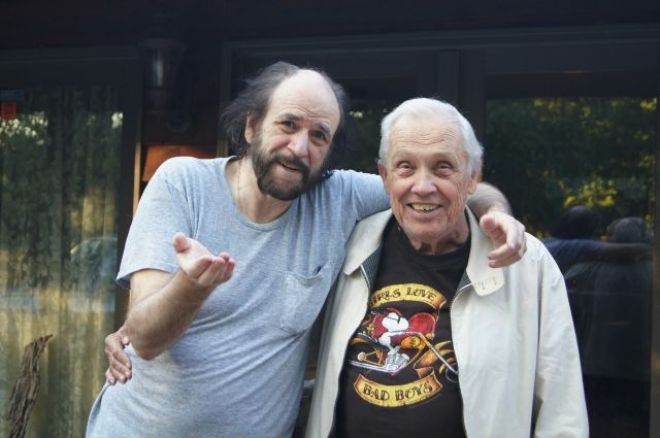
x: 290, y: 146
x: 425, y: 175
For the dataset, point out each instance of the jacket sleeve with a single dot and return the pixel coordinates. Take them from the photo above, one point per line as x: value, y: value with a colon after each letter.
x: 559, y: 406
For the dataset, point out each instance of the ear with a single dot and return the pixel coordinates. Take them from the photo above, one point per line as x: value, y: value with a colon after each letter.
x: 475, y: 178
x: 382, y: 171
x: 249, y: 128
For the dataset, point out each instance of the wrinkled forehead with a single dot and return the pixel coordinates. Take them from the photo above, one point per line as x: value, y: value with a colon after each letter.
x: 426, y: 130
x: 306, y: 94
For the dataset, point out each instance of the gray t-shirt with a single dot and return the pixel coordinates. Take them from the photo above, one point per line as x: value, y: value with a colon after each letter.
x: 237, y: 370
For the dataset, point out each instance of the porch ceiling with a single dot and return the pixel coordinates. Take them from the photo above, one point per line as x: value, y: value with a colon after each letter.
x: 44, y: 23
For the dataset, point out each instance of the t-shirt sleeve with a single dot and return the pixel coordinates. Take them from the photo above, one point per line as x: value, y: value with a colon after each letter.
x: 162, y: 212
x: 367, y: 193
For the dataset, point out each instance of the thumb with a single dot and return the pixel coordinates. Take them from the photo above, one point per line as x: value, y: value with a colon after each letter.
x: 180, y: 242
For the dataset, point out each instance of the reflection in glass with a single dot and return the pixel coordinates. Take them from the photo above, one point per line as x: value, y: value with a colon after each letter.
x: 59, y: 164
x: 580, y: 173
x: 364, y: 136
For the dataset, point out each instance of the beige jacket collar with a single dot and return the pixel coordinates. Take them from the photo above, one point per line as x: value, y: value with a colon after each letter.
x: 367, y: 236
x: 484, y: 279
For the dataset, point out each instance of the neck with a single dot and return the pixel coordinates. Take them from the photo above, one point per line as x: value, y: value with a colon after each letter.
x: 448, y: 243
x: 253, y: 204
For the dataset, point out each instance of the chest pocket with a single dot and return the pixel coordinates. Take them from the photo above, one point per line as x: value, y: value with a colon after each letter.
x: 303, y: 299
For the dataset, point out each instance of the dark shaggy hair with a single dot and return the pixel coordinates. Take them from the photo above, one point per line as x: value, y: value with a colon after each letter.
x: 255, y: 99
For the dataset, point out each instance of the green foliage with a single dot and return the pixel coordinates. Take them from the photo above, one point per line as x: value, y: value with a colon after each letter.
x: 548, y: 154
x: 364, y: 128
x: 58, y: 162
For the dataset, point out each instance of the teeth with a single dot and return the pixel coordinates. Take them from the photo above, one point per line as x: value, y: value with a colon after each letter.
x: 424, y: 207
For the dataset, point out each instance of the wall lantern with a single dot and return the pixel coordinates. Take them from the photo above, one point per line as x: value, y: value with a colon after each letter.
x: 162, y: 63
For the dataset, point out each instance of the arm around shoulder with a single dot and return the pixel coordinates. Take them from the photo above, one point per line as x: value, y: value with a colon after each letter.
x: 488, y: 198
x: 505, y: 232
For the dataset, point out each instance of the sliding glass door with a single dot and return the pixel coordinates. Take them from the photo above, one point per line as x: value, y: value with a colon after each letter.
x: 62, y: 144
x: 581, y: 173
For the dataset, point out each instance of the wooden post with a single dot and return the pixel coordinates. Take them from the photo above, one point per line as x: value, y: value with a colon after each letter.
x: 24, y: 393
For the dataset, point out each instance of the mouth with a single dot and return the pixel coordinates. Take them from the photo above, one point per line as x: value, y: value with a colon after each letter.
x: 293, y: 166
x: 289, y: 167
x: 423, y: 207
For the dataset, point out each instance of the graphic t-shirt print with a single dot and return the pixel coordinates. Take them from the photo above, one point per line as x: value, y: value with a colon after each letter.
x: 402, y: 350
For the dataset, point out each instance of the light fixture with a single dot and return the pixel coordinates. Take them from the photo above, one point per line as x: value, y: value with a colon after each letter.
x: 162, y: 63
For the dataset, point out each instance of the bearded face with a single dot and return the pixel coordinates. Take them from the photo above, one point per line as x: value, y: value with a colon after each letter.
x: 264, y: 163
x: 289, y: 147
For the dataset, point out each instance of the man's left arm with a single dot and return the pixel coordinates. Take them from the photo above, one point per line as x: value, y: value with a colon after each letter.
x: 495, y: 219
x: 559, y: 404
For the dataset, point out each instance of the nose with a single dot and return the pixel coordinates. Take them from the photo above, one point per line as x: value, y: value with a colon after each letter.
x: 299, y: 145
x: 423, y: 183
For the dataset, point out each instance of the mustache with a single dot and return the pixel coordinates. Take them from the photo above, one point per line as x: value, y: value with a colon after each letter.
x: 293, y: 163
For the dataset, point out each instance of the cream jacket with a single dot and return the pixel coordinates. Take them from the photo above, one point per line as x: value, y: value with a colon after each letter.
x: 519, y: 369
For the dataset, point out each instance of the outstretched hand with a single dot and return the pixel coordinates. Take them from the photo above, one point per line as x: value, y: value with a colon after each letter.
x: 507, y: 235
x: 202, y: 267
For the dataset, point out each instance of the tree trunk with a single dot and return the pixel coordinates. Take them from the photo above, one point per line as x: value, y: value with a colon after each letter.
x: 24, y: 393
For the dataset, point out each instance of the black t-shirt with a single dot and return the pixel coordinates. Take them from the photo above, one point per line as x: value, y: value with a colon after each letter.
x: 400, y: 374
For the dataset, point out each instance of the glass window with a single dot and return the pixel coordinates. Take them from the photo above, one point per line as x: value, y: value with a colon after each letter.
x: 59, y: 164
x: 579, y: 172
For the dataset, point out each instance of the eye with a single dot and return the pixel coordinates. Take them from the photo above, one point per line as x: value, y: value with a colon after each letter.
x: 404, y: 168
x: 444, y: 168
x: 287, y: 125
x: 321, y: 136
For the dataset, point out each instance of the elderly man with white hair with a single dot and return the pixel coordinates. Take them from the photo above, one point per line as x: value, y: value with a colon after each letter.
x: 422, y: 337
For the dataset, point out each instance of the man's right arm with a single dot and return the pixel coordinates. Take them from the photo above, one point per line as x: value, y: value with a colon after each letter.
x: 163, y: 305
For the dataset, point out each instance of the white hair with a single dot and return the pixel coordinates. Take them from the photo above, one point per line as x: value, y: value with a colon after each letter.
x: 425, y: 107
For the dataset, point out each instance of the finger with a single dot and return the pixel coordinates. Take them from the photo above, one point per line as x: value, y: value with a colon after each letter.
x: 117, y: 376
x: 198, y: 267
x: 503, y: 261
x: 492, y: 228
x: 120, y: 371
x: 113, y: 345
x: 230, y: 269
x: 119, y: 366
x: 109, y: 377
x: 225, y: 275
x: 116, y: 352
x: 501, y: 253
x: 215, y: 273
x: 117, y: 358
x: 506, y: 250
x: 505, y: 255
x: 516, y: 243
